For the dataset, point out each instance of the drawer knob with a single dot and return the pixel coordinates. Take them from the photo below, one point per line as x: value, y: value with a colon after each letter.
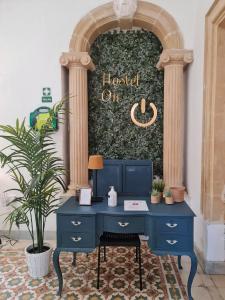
x: 172, y: 242
x: 76, y: 239
x: 76, y: 223
x: 171, y: 225
x: 123, y: 224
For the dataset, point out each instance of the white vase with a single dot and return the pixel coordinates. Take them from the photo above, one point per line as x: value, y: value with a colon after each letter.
x: 38, y: 263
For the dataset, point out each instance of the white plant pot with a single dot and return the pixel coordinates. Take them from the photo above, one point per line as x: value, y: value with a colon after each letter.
x: 38, y: 263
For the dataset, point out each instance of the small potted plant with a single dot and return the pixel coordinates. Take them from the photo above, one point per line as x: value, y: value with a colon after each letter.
x: 168, y: 197
x: 155, y: 197
x: 158, y: 185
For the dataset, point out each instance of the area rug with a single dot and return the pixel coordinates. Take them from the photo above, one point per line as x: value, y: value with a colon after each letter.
x: 119, y: 277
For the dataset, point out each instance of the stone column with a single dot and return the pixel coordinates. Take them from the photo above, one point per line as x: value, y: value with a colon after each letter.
x: 78, y: 63
x: 173, y: 62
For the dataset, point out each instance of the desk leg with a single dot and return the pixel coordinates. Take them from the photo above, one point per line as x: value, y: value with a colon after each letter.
x: 193, y: 270
x: 58, y: 270
x: 179, y: 262
x: 74, y: 259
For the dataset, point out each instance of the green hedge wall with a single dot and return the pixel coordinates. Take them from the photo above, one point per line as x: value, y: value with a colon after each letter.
x: 111, y: 131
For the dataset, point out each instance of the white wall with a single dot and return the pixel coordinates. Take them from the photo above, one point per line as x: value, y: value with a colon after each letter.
x: 205, y: 233
x: 34, y: 33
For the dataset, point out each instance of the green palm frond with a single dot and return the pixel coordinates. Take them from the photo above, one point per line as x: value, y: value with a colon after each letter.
x: 32, y: 163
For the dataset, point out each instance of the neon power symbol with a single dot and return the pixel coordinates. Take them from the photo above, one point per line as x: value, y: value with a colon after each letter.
x: 143, y: 108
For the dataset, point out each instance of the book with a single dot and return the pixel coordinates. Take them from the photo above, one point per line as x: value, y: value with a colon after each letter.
x: 135, y: 205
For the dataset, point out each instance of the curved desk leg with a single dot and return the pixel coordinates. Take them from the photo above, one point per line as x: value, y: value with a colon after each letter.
x: 193, y: 270
x: 58, y: 270
x: 74, y: 259
x: 179, y: 262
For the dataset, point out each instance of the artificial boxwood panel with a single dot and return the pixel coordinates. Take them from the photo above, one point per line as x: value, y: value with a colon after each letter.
x: 111, y: 130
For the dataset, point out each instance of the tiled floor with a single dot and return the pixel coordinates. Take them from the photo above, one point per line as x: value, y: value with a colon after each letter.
x: 205, y: 287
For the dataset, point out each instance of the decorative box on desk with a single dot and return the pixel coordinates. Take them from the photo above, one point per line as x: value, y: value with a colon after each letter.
x: 169, y: 227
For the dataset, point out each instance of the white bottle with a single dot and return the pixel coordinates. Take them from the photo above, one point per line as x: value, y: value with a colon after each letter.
x: 112, y: 199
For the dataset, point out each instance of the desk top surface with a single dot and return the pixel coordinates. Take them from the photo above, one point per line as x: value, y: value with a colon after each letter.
x: 71, y: 206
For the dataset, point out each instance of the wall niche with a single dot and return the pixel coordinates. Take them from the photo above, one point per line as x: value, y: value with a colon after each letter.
x: 130, y: 58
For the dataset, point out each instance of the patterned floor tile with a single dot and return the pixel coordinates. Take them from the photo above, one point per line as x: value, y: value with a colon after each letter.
x: 119, y: 279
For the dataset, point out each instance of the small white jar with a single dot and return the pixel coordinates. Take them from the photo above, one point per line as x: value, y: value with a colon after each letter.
x: 112, y: 199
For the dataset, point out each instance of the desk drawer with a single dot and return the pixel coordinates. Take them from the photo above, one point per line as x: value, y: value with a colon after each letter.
x: 170, y: 242
x: 174, y: 225
x: 76, y: 223
x: 78, y: 240
x: 123, y: 224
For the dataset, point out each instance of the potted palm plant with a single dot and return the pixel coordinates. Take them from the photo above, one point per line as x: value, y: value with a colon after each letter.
x: 31, y: 161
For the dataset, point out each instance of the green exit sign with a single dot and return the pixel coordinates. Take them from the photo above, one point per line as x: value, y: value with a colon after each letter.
x: 46, y: 94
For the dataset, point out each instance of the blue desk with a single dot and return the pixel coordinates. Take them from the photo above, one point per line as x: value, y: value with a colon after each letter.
x: 169, y: 227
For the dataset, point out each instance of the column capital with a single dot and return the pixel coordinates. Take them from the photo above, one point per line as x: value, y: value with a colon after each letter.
x: 79, y: 59
x: 175, y: 57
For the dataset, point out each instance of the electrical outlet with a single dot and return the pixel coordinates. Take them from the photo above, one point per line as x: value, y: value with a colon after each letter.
x: 223, y: 194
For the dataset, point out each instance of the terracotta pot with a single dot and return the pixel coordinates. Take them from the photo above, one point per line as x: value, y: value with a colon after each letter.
x: 169, y: 200
x: 155, y: 199
x: 178, y: 193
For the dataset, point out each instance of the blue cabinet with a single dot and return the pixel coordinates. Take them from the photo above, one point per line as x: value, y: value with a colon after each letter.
x: 130, y: 177
x: 137, y: 177
x: 174, y: 234
x: 111, y: 175
x: 169, y: 227
x: 75, y: 231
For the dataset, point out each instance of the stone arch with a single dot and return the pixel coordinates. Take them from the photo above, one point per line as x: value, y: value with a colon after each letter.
x: 213, y: 142
x: 148, y: 16
x: 173, y: 59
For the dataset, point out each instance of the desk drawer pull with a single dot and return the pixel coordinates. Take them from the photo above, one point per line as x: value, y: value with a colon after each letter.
x: 76, y: 223
x: 172, y: 242
x: 171, y: 225
x: 122, y: 224
x: 77, y: 239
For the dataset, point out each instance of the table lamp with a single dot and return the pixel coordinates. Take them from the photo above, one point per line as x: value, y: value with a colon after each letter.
x: 95, y: 163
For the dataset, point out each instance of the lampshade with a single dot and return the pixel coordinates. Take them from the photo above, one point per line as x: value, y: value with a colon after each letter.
x: 95, y: 162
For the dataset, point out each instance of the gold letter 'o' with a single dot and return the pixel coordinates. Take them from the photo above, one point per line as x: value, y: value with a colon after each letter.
x: 143, y: 124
